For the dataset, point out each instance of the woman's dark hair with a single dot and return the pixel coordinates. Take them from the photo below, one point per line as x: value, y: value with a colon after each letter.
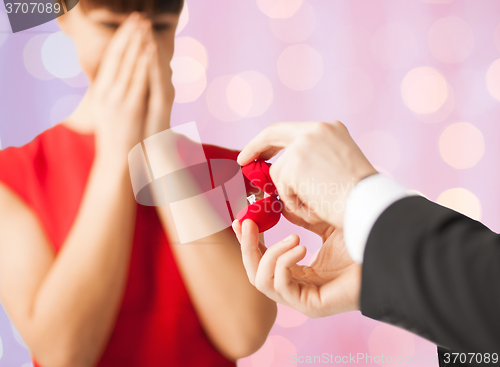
x: 128, y: 6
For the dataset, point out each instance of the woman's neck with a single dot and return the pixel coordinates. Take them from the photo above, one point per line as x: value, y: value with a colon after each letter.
x: 80, y: 120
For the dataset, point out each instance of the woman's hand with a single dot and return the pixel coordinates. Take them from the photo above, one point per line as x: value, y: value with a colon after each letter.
x: 119, y: 94
x: 330, y: 285
x: 162, y: 92
x: 316, y: 172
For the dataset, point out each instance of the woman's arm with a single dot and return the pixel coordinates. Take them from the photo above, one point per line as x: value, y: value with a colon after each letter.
x: 235, y: 315
x: 65, y: 306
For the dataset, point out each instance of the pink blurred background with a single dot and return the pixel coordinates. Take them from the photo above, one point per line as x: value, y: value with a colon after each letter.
x: 417, y: 82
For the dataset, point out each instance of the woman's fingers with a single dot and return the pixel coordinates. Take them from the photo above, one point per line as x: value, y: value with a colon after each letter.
x: 155, y: 76
x: 162, y: 92
x: 108, y: 69
x: 249, y: 239
x: 264, y: 279
x: 287, y: 288
x: 135, y: 48
x: 139, y: 84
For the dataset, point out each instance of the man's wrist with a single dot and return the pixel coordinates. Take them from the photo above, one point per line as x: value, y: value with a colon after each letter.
x: 368, y: 199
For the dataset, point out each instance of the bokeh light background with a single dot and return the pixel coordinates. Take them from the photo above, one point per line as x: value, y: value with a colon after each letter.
x: 417, y: 82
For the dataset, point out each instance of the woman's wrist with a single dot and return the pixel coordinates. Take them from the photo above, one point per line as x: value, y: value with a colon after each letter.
x: 111, y: 167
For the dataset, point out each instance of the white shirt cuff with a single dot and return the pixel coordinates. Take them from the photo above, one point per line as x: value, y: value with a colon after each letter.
x: 366, y: 202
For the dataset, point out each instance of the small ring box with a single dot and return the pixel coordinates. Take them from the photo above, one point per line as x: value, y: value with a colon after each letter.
x: 265, y: 212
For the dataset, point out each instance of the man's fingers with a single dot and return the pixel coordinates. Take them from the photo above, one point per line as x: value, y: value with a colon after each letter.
x: 264, y: 279
x: 287, y: 288
x: 108, y: 69
x: 318, y: 228
x: 270, y: 141
x: 249, y: 239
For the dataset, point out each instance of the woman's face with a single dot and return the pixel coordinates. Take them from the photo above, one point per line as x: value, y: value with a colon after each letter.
x: 92, y: 30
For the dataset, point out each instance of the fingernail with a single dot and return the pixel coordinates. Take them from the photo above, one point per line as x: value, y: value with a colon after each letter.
x: 288, y: 239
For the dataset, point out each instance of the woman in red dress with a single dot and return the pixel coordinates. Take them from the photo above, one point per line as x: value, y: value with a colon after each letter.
x: 88, y: 276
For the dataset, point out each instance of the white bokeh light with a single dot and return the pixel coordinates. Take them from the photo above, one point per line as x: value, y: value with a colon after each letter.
x: 18, y: 337
x: 288, y: 317
x: 297, y: 28
x: 461, y: 200
x: 183, y: 18
x: 424, y: 90
x: 217, y: 101
x: 239, y: 95
x: 262, y: 92
x: 189, y: 79
x: 279, y: 8
x: 188, y: 46
x: 443, y: 112
x: 250, y: 94
x: 493, y: 79
x: 186, y: 70
x: 300, y: 67
x: 461, y: 145
x: 233, y: 97
x: 60, y: 57
x: 189, y: 65
x: 32, y: 57
x: 451, y: 39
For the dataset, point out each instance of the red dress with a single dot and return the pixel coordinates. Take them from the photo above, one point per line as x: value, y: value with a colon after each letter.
x: 157, y: 324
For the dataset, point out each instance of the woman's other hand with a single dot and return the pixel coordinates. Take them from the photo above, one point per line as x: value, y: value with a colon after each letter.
x: 119, y: 94
x: 329, y: 286
x: 162, y: 92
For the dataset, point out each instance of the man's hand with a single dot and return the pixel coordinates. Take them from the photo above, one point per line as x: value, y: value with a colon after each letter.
x: 331, y: 285
x: 317, y: 171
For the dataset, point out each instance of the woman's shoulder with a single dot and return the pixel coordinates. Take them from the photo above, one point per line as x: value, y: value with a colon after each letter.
x: 55, y: 138
x: 27, y: 168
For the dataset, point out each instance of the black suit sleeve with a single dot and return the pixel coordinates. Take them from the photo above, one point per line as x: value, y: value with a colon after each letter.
x: 434, y: 272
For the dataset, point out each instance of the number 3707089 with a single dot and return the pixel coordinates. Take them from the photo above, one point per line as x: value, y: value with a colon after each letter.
x: 33, y: 8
